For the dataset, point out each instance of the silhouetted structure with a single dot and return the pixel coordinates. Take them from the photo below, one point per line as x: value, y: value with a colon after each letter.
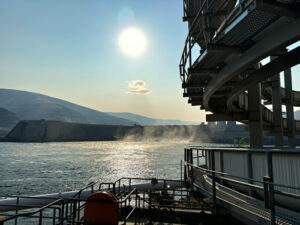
x: 227, y: 77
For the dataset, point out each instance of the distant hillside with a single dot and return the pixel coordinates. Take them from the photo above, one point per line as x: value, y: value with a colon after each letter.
x: 7, y: 121
x: 33, y: 106
x: 146, y: 121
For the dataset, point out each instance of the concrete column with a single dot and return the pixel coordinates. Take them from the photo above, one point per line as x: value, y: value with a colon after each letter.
x: 289, y: 108
x: 277, y: 109
x: 255, y: 116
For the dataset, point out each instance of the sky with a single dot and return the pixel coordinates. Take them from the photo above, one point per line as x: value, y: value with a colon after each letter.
x: 70, y: 49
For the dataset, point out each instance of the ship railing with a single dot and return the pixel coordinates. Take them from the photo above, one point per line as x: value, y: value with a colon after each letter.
x: 204, y: 163
x: 90, y: 186
x: 71, y: 211
x: 128, y: 183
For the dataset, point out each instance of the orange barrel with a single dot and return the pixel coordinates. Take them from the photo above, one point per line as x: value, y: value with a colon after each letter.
x: 101, y: 212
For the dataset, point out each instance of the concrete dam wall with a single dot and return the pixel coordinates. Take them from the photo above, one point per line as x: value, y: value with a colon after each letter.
x: 51, y: 131
x: 56, y: 131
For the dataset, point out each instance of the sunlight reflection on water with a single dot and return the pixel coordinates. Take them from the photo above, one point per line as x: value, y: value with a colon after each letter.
x: 36, y: 168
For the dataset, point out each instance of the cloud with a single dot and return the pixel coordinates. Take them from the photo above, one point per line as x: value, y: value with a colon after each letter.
x: 138, y: 87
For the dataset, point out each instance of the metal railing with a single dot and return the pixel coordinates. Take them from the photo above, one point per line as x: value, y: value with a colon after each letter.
x: 265, y: 186
x: 199, y: 28
x: 61, y: 211
x: 70, y: 211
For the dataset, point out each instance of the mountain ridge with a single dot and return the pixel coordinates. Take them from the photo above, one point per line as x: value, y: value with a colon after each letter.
x: 34, y: 106
x: 147, y: 121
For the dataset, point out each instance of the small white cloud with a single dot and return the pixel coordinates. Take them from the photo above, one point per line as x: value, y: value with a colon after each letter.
x: 138, y: 87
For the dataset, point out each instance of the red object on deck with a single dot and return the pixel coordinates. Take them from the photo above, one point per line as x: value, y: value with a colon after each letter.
x: 105, y: 212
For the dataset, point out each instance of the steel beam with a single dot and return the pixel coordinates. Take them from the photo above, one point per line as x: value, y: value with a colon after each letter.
x: 278, y: 8
x: 279, y: 64
x: 215, y: 48
x: 203, y: 72
x: 227, y: 117
x: 255, y: 116
x: 291, y: 133
x: 197, y: 94
x: 192, y: 85
x: 274, y: 40
x: 277, y: 109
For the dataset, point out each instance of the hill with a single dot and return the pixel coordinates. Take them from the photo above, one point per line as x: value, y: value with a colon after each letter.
x: 7, y: 121
x: 146, y: 121
x: 33, y: 106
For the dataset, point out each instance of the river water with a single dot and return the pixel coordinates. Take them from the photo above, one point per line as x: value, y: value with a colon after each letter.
x: 38, y: 168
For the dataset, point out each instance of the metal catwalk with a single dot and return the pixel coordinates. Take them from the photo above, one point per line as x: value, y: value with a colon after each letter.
x: 227, y: 78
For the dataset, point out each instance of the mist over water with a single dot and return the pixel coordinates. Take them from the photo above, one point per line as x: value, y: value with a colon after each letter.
x: 184, y: 134
x: 37, y: 168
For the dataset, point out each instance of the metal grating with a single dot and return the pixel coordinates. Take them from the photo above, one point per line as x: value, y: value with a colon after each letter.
x: 245, y: 27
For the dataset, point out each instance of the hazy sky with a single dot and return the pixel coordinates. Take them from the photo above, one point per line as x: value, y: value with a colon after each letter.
x: 70, y: 49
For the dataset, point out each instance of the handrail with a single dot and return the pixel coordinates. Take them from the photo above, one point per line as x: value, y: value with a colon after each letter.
x: 82, y: 189
x: 246, y: 149
x: 187, y: 53
x: 209, y: 172
x: 59, y: 202
x: 34, y: 212
x: 190, y: 41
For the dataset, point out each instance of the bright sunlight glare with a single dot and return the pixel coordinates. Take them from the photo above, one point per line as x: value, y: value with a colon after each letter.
x: 132, y: 41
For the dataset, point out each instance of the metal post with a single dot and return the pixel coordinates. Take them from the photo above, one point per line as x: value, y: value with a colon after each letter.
x: 289, y: 105
x: 205, y: 152
x: 191, y: 167
x: 54, y: 216
x: 185, y: 177
x: 41, y: 218
x: 125, y: 211
x: 150, y: 207
x: 62, y: 211
x: 255, y: 116
x: 74, y: 208
x: 277, y: 109
x: 136, y: 208
x: 250, y: 172
x: 213, y: 182
x: 17, y: 207
x: 271, y: 188
x: 221, y: 164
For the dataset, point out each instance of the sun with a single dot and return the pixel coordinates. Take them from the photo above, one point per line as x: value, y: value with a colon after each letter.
x: 132, y: 41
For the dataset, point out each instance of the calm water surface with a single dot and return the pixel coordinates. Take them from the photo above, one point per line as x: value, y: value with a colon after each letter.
x: 37, y: 168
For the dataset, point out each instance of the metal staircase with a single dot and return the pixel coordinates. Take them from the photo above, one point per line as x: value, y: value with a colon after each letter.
x: 227, y: 78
